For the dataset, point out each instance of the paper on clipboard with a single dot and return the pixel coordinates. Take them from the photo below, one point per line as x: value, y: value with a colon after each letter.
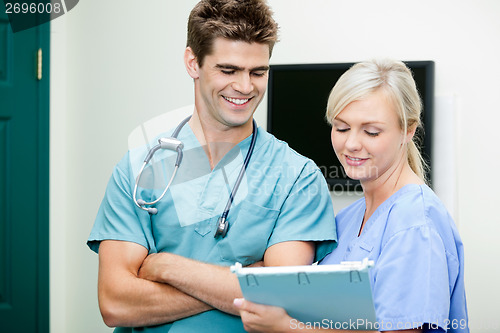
x: 335, y: 295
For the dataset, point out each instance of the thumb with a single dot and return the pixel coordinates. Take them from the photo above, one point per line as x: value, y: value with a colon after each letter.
x: 243, y: 304
x: 240, y: 303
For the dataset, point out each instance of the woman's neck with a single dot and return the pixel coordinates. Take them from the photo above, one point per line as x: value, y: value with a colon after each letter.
x: 378, y: 191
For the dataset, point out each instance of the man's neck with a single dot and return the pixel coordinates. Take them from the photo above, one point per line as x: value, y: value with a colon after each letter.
x: 215, y: 138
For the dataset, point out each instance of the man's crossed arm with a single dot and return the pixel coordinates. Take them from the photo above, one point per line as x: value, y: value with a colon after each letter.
x: 140, y: 290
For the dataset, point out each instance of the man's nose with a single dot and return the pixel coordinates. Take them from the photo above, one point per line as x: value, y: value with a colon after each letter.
x: 243, y: 84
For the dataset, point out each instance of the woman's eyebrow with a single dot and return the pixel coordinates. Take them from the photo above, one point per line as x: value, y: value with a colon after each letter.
x: 339, y: 119
x: 369, y: 122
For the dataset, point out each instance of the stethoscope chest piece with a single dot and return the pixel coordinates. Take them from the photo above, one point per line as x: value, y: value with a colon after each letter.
x: 222, y: 226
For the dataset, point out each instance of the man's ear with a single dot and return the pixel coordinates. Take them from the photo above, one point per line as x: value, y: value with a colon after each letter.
x: 191, y: 63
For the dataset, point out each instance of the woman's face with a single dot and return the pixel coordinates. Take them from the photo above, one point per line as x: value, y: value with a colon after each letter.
x: 367, y: 138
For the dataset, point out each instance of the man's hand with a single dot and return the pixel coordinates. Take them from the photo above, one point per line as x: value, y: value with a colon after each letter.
x: 213, y: 284
x: 153, y: 266
x: 156, y: 266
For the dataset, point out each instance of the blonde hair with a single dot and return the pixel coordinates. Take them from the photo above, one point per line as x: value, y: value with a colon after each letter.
x: 396, y: 80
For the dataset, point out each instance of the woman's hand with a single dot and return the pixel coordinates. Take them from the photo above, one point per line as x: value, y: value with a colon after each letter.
x: 262, y: 318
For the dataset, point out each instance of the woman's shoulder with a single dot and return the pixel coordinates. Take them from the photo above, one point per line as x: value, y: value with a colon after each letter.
x: 415, y: 198
x: 419, y: 210
x: 416, y: 206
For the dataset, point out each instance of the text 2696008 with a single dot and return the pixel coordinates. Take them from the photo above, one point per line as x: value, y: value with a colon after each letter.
x: 32, y: 8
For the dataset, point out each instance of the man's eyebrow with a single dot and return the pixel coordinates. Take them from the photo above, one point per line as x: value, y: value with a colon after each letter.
x: 227, y: 66
x: 260, y: 68
x: 237, y: 68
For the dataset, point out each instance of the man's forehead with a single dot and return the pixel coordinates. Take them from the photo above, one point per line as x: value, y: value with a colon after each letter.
x: 227, y: 52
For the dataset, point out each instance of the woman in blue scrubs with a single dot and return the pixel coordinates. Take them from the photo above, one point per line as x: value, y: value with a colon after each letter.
x: 418, y: 279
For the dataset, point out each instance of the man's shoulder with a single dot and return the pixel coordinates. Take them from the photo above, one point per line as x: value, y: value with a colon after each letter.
x: 279, y: 148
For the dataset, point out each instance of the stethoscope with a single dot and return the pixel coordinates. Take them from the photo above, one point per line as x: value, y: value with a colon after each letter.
x: 172, y: 143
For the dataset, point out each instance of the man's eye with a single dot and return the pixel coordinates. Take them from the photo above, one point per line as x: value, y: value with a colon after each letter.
x: 227, y: 72
x: 259, y: 74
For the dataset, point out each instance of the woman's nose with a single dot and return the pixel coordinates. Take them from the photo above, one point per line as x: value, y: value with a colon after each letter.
x: 352, y: 142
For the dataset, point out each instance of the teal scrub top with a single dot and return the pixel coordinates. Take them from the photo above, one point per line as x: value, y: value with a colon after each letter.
x: 282, y: 197
x: 418, y: 277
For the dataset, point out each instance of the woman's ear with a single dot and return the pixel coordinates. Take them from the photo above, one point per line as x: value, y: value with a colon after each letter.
x: 191, y: 63
x: 410, y: 133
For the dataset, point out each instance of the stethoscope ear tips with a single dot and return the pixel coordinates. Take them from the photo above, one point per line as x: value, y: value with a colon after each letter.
x: 151, y: 210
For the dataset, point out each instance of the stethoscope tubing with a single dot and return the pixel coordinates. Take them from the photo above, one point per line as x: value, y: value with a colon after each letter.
x: 242, y: 172
x: 174, y: 144
x: 142, y: 203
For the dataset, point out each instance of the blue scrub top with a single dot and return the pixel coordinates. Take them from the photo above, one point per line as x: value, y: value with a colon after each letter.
x: 282, y: 197
x: 418, y: 275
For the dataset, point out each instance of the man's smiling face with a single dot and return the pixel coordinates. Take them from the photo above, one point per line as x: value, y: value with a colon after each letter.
x: 232, y: 81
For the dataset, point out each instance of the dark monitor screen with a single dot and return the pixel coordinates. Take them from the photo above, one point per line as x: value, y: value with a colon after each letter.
x: 297, y: 99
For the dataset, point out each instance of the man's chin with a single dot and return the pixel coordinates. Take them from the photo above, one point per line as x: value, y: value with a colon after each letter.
x: 239, y: 120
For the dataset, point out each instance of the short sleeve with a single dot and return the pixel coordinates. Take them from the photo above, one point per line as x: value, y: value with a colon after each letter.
x: 307, y: 214
x: 118, y: 218
x: 411, y: 278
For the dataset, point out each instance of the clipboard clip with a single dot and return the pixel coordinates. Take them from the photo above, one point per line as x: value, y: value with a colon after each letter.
x: 354, y: 276
x: 355, y: 268
x: 236, y: 267
x: 358, y: 265
x: 250, y: 279
x: 303, y: 279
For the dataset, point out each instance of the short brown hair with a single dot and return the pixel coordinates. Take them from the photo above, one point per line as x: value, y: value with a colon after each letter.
x: 243, y: 20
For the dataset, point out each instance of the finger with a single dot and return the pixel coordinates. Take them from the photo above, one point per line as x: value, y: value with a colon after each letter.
x: 245, y: 305
x: 241, y: 305
x: 251, y: 321
x: 238, y: 302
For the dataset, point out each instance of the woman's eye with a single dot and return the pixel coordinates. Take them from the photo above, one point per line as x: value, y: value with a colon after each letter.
x: 342, y: 130
x: 372, y: 133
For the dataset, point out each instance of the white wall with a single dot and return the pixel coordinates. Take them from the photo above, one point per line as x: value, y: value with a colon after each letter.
x: 118, y: 63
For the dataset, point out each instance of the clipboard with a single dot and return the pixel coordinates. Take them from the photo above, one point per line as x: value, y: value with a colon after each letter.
x: 334, y: 296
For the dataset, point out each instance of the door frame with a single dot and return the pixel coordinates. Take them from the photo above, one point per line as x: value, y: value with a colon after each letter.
x: 43, y: 278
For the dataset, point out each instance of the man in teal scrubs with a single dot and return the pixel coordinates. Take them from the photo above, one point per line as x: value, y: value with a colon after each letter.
x: 167, y: 272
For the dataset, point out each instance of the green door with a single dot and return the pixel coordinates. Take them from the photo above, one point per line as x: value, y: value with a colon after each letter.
x: 24, y: 193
